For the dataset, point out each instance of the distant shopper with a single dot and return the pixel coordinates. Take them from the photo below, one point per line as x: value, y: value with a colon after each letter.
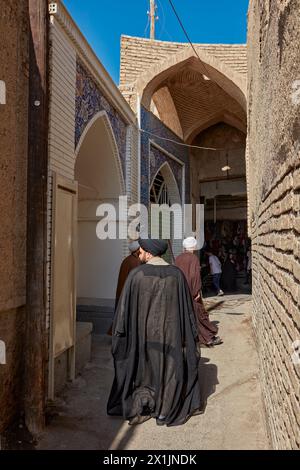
x: 229, y: 274
x: 189, y: 264
x: 249, y: 266
x: 215, y: 271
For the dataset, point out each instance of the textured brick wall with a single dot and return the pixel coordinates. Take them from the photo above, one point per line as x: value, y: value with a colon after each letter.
x: 13, y: 166
x: 139, y: 54
x: 274, y: 192
x: 12, y: 333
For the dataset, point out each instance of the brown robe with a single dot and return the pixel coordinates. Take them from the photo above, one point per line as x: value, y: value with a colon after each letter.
x: 190, y: 266
x: 128, y: 264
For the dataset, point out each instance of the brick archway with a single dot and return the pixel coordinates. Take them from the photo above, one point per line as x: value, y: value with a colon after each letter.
x: 230, y: 80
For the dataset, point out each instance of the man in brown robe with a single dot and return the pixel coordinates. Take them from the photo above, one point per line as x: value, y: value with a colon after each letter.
x: 132, y: 261
x: 189, y: 264
x: 128, y: 264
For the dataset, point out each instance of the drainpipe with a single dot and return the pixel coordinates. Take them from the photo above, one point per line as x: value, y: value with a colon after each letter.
x: 35, y: 351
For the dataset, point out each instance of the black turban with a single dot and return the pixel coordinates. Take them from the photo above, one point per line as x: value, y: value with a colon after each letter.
x: 155, y: 247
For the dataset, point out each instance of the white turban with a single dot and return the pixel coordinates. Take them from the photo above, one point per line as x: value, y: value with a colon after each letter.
x: 190, y: 243
x: 133, y: 246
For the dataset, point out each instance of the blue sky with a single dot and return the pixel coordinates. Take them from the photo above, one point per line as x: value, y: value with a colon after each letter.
x: 206, y: 21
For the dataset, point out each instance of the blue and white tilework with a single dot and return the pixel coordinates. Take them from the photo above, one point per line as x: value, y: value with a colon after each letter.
x: 152, y: 158
x: 89, y: 101
x: 157, y: 159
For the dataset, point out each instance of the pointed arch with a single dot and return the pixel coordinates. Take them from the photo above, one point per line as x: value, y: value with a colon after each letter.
x: 98, y: 171
x: 99, y: 136
x: 226, y: 117
x: 170, y: 181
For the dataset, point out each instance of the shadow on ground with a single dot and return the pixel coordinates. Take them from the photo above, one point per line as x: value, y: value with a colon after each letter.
x: 208, y: 374
x: 233, y: 413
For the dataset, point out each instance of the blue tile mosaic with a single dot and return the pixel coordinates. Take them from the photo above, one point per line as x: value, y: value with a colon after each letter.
x: 152, y: 158
x: 89, y: 101
x: 157, y: 159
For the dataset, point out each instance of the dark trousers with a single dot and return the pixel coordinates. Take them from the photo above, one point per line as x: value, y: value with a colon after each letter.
x: 216, y: 281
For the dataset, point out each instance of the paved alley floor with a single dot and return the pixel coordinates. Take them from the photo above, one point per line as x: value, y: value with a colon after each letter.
x: 233, y: 418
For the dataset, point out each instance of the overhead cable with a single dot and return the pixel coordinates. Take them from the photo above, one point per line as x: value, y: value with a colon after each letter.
x: 188, y: 145
x: 187, y: 36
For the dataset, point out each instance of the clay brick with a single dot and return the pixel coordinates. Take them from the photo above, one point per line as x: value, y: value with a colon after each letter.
x: 276, y: 204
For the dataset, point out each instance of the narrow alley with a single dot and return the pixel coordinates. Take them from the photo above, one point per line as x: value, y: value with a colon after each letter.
x: 149, y: 177
x: 233, y: 416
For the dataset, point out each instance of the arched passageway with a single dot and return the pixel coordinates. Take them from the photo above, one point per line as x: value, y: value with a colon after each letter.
x: 204, y: 103
x: 100, y: 180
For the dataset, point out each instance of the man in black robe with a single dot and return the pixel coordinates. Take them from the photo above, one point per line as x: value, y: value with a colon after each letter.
x: 155, y: 344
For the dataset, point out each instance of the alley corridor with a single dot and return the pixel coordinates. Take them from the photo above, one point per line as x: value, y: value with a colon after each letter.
x: 233, y: 417
x: 112, y: 134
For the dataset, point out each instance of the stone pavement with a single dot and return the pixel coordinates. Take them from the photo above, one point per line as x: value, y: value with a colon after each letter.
x: 233, y: 418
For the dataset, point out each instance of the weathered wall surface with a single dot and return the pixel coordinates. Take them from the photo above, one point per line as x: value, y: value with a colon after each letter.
x: 11, y: 332
x: 13, y: 168
x: 274, y: 183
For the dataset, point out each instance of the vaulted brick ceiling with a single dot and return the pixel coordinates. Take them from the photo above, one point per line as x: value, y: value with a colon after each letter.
x: 199, y: 103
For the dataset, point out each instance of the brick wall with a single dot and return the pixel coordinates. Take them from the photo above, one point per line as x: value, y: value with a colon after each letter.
x: 140, y: 58
x: 274, y: 208
x: 13, y: 168
x: 11, y: 332
x: 139, y: 54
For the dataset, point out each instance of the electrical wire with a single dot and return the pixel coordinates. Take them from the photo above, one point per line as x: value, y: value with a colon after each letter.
x: 208, y: 75
x: 163, y: 28
x: 147, y: 26
x: 182, y: 144
x: 187, y: 36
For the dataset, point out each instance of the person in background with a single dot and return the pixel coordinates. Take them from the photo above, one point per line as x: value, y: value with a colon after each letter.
x: 229, y: 274
x: 249, y: 266
x: 128, y: 264
x: 215, y: 271
x: 189, y: 264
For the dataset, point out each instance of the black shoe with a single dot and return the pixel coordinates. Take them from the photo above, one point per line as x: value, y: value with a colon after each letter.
x: 215, y: 342
x: 160, y: 422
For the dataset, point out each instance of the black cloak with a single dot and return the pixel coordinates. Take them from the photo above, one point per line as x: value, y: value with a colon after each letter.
x: 154, y: 347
